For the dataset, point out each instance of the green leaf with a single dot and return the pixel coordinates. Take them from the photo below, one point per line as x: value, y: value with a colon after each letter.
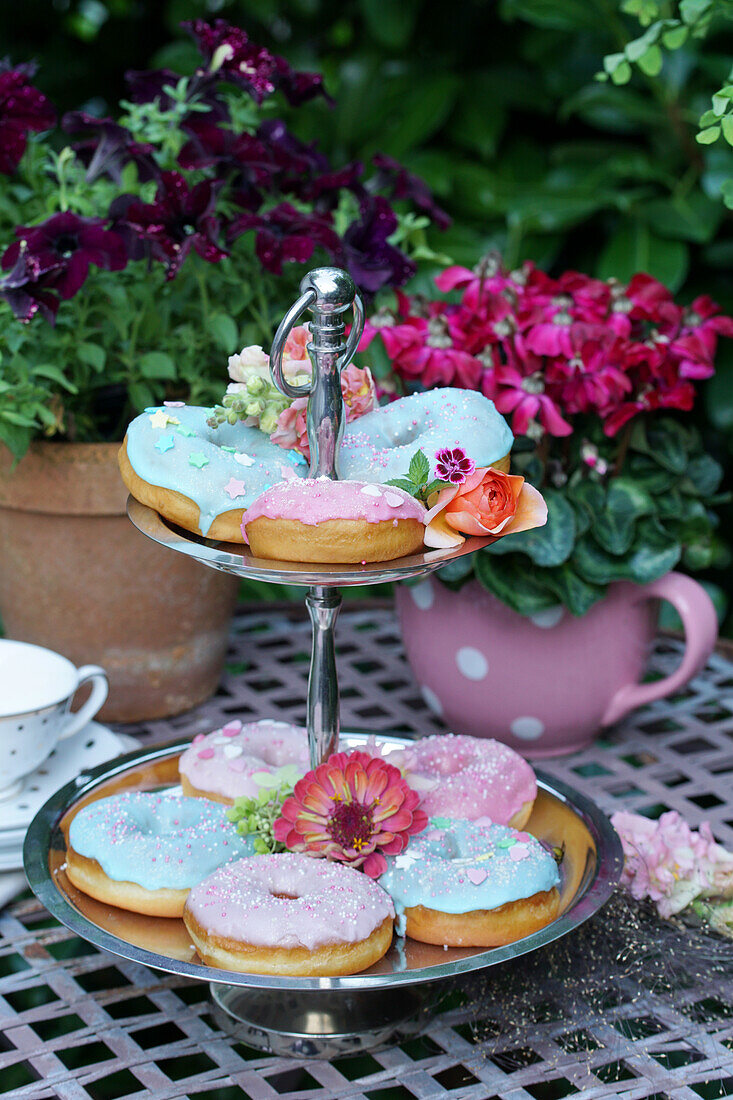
x: 514, y: 582
x: 693, y: 10
x: 48, y: 370
x: 457, y: 570
x: 622, y: 73
x: 596, y: 566
x: 549, y: 545
x: 625, y: 503
x: 419, y: 469
x: 727, y: 127
x: 668, y: 444
x: 436, y: 486
x: 392, y: 25
x: 692, y: 217
x: 675, y: 37
x: 634, y: 248
x: 92, y: 354
x: 157, y: 364
x: 402, y: 483
x: 575, y: 592
x: 702, y: 476
x: 650, y: 62
x: 224, y: 331
x: 707, y: 137
x: 657, y: 553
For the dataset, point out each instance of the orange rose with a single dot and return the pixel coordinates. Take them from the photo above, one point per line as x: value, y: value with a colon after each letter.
x: 488, y: 502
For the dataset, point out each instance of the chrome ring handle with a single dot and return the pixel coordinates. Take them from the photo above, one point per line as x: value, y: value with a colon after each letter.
x: 278, y: 346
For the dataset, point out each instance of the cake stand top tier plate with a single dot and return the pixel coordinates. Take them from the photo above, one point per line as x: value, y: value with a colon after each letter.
x: 590, y: 869
x: 230, y: 557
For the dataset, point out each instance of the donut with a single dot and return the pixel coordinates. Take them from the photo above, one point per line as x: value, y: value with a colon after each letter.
x: 289, y: 914
x: 203, y: 478
x: 318, y: 520
x: 239, y: 761
x: 467, y: 884
x: 469, y: 777
x: 144, y: 850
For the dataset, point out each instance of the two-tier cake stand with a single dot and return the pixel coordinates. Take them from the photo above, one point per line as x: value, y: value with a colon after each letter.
x: 316, y: 1017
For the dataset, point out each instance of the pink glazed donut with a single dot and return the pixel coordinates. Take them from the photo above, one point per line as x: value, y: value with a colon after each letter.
x: 289, y: 914
x: 469, y: 777
x: 239, y: 761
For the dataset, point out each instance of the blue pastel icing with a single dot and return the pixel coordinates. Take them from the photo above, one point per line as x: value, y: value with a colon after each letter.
x: 157, y: 840
x: 205, y: 486
x: 379, y: 445
x: 434, y: 868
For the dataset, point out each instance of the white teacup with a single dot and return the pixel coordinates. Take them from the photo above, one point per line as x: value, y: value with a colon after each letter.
x: 37, y: 687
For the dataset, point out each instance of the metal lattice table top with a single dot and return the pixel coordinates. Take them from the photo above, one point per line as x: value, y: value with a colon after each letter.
x: 624, y: 1010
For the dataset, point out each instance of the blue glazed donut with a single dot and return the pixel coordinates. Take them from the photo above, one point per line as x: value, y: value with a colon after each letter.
x: 145, y: 850
x: 204, y: 478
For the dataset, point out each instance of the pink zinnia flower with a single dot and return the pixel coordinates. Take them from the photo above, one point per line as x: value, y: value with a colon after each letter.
x: 354, y: 808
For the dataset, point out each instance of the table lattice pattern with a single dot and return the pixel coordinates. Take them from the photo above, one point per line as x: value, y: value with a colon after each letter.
x: 80, y: 1024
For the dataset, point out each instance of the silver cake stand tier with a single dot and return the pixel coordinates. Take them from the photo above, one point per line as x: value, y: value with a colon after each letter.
x: 316, y: 1017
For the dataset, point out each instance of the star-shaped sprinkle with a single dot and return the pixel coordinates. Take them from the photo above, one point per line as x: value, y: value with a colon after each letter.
x: 244, y: 459
x: 234, y: 488
x: 183, y: 430
x: 440, y: 822
x: 198, y: 459
x: 164, y: 443
x: 296, y: 458
x: 161, y: 419
x: 405, y: 860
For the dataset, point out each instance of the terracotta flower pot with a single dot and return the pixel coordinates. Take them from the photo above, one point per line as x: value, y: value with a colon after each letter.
x: 546, y: 684
x: 78, y: 578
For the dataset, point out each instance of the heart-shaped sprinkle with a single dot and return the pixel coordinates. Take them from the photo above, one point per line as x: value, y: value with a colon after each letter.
x: 370, y: 491
x: 519, y: 851
x: 435, y: 834
x: 230, y: 751
x: 197, y: 738
x: 205, y: 754
x: 231, y: 729
x: 476, y: 875
x: 393, y: 500
x: 238, y: 765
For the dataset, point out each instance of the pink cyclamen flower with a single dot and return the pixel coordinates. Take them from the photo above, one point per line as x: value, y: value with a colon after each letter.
x: 671, y: 864
x: 353, y: 808
x: 453, y: 465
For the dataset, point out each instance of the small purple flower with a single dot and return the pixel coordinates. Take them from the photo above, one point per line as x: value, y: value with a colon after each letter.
x: 241, y: 157
x: 404, y: 185
x: 284, y: 233
x: 237, y: 59
x: 28, y: 293
x: 371, y: 260
x: 64, y: 245
x: 22, y: 108
x: 108, y: 147
x: 179, y: 220
x: 453, y: 465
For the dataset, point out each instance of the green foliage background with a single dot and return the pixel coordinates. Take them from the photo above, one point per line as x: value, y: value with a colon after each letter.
x: 495, y: 104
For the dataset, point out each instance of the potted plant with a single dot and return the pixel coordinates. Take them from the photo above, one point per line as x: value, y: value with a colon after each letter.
x: 541, y: 639
x: 139, y: 252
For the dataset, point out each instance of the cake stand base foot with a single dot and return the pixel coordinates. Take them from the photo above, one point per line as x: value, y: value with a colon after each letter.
x: 321, y: 1023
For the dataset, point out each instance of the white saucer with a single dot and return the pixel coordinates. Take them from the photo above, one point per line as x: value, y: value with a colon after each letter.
x: 91, y: 746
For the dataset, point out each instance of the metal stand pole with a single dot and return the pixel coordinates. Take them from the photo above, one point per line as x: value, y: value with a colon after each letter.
x: 323, y: 691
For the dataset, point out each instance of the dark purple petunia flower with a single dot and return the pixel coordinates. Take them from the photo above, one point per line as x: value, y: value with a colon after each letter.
x: 404, y: 185
x: 371, y: 260
x: 323, y: 191
x: 22, y: 108
x: 108, y: 147
x: 241, y: 158
x: 228, y: 51
x: 148, y: 85
x: 65, y: 245
x: 28, y: 293
x: 180, y: 219
x: 284, y: 233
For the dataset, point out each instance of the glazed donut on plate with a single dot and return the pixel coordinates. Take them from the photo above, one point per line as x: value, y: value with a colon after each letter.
x: 464, y: 884
x: 144, y: 851
x: 203, y: 478
x: 318, y: 520
x: 289, y: 914
x: 239, y: 761
x: 469, y: 777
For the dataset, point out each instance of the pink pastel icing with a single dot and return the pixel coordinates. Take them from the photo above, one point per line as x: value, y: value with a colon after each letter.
x: 241, y: 760
x: 467, y: 777
x: 314, y: 500
x: 326, y: 903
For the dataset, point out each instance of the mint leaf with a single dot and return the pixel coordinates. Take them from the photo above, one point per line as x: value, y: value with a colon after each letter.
x: 436, y: 486
x: 419, y: 470
x: 402, y: 483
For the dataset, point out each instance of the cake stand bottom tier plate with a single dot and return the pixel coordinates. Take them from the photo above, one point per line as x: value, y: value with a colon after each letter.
x: 317, y: 1017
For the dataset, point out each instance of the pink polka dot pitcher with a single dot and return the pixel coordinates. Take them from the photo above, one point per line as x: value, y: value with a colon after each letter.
x: 547, y: 684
